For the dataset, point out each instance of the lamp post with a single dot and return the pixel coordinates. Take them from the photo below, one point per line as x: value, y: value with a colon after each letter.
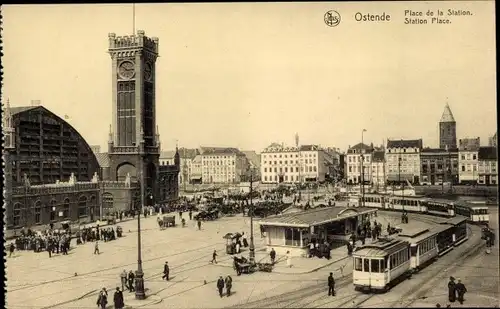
x: 139, y: 274
x: 252, y: 245
x: 362, y: 169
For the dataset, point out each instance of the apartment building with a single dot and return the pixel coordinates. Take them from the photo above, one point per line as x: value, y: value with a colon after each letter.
x: 377, y: 168
x: 439, y: 165
x: 187, y: 156
x: 468, y: 150
x: 359, y: 157
x: 403, y: 160
x: 223, y: 165
x: 307, y: 163
x: 487, y: 166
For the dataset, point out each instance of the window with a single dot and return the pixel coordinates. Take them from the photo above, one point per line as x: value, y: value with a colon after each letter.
x: 358, y: 264
x: 265, y: 169
x: 38, y: 212
x: 366, y: 265
x: 17, y: 214
x: 375, y: 266
x: 473, y: 157
x: 66, y: 208
x: 463, y: 168
x: 292, y: 237
x: 82, y: 206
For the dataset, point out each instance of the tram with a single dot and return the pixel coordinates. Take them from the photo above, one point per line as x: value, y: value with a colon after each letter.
x: 475, y: 213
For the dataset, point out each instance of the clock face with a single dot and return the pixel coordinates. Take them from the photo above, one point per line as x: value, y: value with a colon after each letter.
x: 126, y: 69
x: 148, y: 71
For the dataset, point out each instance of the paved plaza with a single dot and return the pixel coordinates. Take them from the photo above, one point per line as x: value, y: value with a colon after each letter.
x: 35, y: 281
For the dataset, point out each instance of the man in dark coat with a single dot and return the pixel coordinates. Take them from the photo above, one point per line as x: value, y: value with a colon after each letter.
x: 331, y: 285
x: 199, y: 224
x: 131, y: 278
x: 166, y: 271
x: 102, y: 300
x: 452, y: 295
x: 214, y: 257
x: 220, y: 285
x: 272, y: 254
x: 118, y: 299
x: 229, y: 285
x: 190, y: 214
x: 461, y: 290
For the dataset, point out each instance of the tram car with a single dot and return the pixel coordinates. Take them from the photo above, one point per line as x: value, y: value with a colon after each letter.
x: 475, y: 213
x: 407, y: 203
x: 439, y: 207
x: 381, y: 264
x: 388, y: 261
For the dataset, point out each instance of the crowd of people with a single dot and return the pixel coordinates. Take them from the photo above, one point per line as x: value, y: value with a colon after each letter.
x: 50, y: 240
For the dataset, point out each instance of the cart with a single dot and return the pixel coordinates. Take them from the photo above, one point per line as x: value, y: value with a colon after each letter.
x: 168, y: 221
x: 267, y: 267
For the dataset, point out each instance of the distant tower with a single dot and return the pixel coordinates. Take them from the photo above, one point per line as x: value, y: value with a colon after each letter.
x: 297, y: 140
x: 134, y: 144
x: 447, y: 129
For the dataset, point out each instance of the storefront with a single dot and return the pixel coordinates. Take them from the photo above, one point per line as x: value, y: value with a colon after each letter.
x: 293, y: 231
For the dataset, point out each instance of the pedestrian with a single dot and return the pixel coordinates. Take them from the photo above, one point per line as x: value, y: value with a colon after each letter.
x: 238, y: 247
x: 102, y: 299
x: 272, y: 255
x: 220, y: 285
x: 452, y: 294
x: 244, y: 237
x: 131, y: 278
x: 166, y: 271
x: 118, y: 299
x: 199, y: 224
x: 214, y: 257
x: 190, y: 214
x: 236, y: 266
x: 331, y: 285
x: 288, y: 259
x: 96, y: 248
x: 229, y: 285
x: 49, y: 248
x: 461, y: 290
x: 11, y: 249
x: 123, y: 277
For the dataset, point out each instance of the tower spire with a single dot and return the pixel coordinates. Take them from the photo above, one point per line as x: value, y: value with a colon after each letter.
x: 447, y: 114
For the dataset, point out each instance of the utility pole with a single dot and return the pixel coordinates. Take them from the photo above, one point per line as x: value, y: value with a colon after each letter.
x: 139, y: 274
x: 252, y: 245
x: 362, y: 169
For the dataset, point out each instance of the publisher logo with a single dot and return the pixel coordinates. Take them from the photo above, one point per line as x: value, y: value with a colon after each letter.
x: 332, y: 18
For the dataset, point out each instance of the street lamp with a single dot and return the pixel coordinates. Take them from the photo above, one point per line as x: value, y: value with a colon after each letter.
x: 139, y: 274
x: 252, y: 245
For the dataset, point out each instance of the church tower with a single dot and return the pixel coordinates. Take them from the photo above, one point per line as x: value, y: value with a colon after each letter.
x: 447, y: 129
x: 133, y: 143
x: 8, y: 147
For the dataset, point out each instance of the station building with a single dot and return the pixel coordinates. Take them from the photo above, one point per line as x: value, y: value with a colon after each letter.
x: 293, y: 231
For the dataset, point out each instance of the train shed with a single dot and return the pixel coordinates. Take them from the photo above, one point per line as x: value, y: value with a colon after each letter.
x: 293, y: 231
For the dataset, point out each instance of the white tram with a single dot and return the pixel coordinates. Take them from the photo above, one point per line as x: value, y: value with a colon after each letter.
x: 423, y: 246
x: 379, y: 265
x: 475, y: 212
x: 407, y: 203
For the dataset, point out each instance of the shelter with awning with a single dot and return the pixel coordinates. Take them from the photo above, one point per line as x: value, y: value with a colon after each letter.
x: 293, y: 231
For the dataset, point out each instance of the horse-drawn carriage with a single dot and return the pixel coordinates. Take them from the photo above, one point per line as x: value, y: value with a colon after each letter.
x: 167, y: 221
x: 242, y: 266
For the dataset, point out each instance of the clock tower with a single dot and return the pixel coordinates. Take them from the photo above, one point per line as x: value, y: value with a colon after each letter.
x: 133, y: 145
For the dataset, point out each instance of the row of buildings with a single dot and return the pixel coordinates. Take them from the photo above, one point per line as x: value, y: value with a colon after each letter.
x: 409, y: 161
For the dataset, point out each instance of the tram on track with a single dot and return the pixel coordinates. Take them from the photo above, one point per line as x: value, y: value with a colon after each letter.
x: 388, y: 261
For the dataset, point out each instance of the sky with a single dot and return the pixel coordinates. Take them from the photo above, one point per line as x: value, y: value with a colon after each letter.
x: 246, y: 75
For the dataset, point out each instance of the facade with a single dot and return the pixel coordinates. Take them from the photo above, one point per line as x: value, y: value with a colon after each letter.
x: 196, y: 170
x: 439, y: 166
x: 447, y: 130
x: 222, y: 165
x: 488, y: 166
x: 134, y: 140
x: 377, y: 168
x: 186, y: 161
x: 307, y: 163
x: 359, y: 157
x: 468, y: 150
x: 46, y: 148
x: 403, y: 161
x: 493, y: 140
x: 40, y: 205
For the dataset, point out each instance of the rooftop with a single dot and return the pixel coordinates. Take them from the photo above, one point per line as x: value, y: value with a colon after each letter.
x: 20, y: 109
x: 103, y: 159
x: 438, y: 150
x: 314, y: 216
x: 408, y: 143
x: 220, y: 150
x: 253, y: 157
x: 487, y: 153
x: 447, y: 115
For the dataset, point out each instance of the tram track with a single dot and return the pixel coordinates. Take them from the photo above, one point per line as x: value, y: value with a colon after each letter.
x: 432, y: 280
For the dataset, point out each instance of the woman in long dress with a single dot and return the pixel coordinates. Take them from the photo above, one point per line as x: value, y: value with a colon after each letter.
x: 288, y: 259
